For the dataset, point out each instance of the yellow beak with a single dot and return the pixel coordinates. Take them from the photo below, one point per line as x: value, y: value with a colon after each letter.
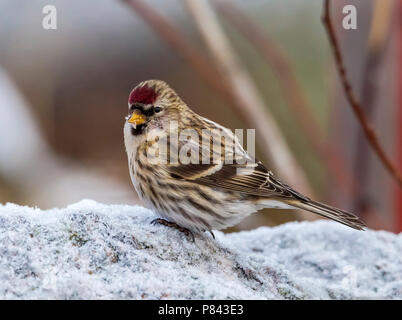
x: 137, y: 118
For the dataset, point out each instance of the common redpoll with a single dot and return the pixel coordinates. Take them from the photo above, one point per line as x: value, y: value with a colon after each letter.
x: 187, y: 180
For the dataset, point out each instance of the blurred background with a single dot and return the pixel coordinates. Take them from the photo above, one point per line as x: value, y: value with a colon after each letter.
x: 63, y: 95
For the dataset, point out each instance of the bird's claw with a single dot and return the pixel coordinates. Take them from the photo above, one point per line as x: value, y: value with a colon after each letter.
x: 170, y: 224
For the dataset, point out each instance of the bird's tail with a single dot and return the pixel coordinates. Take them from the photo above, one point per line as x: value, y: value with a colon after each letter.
x: 327, y: 211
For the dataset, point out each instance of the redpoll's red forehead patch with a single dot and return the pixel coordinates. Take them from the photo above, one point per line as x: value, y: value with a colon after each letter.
x: 142, y: 95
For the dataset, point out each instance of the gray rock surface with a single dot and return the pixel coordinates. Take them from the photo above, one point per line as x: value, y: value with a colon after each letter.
x: 94, y: 251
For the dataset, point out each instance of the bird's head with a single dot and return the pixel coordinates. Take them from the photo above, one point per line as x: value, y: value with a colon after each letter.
x: 152, y: 104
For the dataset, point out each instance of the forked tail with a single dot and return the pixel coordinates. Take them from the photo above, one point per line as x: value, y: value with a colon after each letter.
x: 327, y: 211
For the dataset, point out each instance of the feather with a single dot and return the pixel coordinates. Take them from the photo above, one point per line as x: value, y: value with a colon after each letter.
x: 332, y: 213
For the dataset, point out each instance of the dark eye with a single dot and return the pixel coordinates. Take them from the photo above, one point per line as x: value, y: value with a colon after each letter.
x: 157, y: 109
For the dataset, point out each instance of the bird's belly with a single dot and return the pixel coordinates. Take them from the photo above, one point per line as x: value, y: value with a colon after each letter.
x: 197, y: 208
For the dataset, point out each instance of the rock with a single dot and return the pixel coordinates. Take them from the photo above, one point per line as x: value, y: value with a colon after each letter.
x: 94, y: 251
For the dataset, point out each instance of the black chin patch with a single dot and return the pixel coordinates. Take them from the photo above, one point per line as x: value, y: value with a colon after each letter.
x: 138, y: 130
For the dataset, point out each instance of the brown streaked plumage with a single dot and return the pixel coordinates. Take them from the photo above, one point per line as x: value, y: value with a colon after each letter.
x: 206, y: 193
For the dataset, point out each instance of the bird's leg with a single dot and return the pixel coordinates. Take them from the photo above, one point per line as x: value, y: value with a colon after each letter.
x: 170, y: 224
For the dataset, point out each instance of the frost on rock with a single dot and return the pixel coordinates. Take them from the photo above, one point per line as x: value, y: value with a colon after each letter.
x: 94, y: 251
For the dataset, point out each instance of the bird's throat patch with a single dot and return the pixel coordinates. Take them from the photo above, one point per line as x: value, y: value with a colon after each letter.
x: 138, y: 130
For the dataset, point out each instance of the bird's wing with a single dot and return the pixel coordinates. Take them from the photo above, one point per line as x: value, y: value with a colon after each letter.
x: 245, y: 174
x: 257, y: 181
x: 248, y: 178
x: 252, y: 178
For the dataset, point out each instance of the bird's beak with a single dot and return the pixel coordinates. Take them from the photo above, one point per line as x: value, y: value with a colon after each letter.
x: 137, y: 118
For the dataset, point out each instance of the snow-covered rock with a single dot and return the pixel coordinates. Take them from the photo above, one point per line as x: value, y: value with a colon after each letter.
x: 94, y: 251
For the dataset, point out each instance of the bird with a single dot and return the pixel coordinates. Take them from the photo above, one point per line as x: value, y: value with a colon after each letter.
x: 178, y: 166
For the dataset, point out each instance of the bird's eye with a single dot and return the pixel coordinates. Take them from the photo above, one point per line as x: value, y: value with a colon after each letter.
x: 157, y: 109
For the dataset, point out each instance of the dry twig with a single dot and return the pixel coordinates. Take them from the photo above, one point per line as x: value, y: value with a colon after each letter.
x: 380, y: 25
x: 177, y: 42
x: 202, y: 66
x: 251, y: 104
x: 292, y: 92
x: 353, y: 102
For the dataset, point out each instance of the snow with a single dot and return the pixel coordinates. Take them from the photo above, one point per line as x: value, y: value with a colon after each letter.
x: 95, y: 251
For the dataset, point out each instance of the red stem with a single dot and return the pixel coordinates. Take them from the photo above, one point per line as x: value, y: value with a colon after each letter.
x: 354, y: 103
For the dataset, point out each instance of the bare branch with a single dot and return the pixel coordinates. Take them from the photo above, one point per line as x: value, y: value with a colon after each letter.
x: 354, y: 103
x: 292, y: 93
x: 376, y: 45
x: 202, y: 66
x: 245, y: 92
x: 177, y: 42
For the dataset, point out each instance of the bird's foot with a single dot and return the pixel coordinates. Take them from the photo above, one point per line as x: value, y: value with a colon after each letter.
x: 212, y: 234
x: 170, y: 224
